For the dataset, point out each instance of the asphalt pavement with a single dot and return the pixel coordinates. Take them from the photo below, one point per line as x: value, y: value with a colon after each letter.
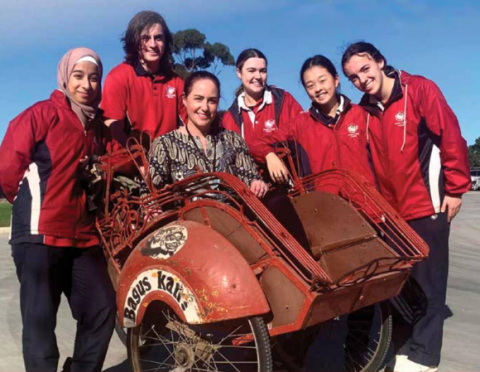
x: 462, y: 327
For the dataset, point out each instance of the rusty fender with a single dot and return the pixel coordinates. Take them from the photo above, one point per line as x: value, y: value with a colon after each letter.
x: 195, y: 271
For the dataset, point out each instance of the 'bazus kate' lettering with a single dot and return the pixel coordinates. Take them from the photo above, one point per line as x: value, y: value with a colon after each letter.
x: 165, y: 282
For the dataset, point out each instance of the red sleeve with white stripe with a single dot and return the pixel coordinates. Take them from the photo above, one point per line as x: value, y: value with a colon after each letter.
x: 17, y: 149
x: 442, y: 121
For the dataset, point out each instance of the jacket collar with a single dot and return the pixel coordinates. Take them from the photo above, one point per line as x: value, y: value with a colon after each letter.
x: 402, y: 78
x: 60, y: 100
x: 160, y: 77
x: 267, y: 100
x: 327, y: 120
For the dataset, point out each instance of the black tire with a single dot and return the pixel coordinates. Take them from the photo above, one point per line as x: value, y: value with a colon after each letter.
x: 120, y: 331
x: 169, y: 344
x: 365, y: 336
x: 375, y: 324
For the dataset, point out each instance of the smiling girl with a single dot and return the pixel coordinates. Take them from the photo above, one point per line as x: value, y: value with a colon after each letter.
x: 259, y: 108
x: 421, y: 162
x: 331, y: 132
x: 55, y: 244
x: 202, y: 144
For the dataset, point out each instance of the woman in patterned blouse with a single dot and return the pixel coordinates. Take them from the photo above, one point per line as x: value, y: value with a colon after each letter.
x: 202, y: 144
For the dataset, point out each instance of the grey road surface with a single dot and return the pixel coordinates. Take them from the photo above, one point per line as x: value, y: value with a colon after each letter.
x: 462, y: 330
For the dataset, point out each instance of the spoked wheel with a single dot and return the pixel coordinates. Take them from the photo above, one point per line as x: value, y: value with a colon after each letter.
x: 169, y: 344
x: 368, y: 337
x: 356, y: 342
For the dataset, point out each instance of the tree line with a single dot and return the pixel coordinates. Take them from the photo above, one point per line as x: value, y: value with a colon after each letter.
x: 192, y: 52
x: 474, y: 153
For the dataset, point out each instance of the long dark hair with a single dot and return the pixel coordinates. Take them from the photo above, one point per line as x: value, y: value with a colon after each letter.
x: 360, y: 48
x: 132, y: 38
x: 243, y: 57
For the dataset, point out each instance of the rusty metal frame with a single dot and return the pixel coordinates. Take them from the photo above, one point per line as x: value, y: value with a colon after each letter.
x: 126, y: 219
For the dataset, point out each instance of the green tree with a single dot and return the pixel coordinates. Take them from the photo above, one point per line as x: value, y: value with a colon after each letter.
x: 474, y: 153
x: 192, y: 52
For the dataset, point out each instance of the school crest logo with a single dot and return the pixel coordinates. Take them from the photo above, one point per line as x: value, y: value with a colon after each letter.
x: 352, y: 130
x: 400, y: 119
x: 166, y: 242
x: 171, y: 92
x: 269, y: 126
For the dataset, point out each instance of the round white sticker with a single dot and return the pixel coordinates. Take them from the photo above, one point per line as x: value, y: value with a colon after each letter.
x: 165, y: 242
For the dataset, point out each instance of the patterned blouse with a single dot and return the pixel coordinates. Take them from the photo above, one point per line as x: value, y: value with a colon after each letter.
x: 174, y: 156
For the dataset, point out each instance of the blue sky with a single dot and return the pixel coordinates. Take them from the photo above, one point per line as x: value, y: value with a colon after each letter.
x: 438, y: 39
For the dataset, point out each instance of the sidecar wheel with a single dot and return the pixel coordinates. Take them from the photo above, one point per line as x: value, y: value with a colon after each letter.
x: 369, y: 337
x: 169, y: 344
x: 364, y: 337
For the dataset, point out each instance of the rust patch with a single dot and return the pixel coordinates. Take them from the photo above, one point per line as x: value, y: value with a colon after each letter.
x: 202, y: 295
x: 210, y: 306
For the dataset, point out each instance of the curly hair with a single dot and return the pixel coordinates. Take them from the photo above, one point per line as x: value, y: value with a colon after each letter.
x: 132, y: 37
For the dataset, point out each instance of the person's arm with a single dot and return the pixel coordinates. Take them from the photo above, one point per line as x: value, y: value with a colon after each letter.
x: 160, y: 172
x: 117, y: 132
x: 276, y: 167
x: 114, y: 105
x: 245, y: 168
x: 443, y: 123
x: 264, y: 147
x: 18, y: 147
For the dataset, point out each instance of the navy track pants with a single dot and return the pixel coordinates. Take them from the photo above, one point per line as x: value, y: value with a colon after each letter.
x: 424, y: 337
x: 45, y: 272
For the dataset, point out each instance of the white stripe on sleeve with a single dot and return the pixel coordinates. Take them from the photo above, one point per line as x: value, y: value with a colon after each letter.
x: 34, y: 184
x: 434, y: 169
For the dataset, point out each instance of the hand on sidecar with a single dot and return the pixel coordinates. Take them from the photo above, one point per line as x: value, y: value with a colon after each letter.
x: 259, y: 188
x: 277, y: 169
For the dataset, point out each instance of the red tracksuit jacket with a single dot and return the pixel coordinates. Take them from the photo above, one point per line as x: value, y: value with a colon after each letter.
x: 418, y: 152
x: 327, y: 142
x: 39, y: 174
x: 277, y: 107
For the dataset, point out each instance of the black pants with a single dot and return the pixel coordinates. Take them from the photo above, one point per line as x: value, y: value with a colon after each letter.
x: 424, y: 336
x: 45, y: 272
